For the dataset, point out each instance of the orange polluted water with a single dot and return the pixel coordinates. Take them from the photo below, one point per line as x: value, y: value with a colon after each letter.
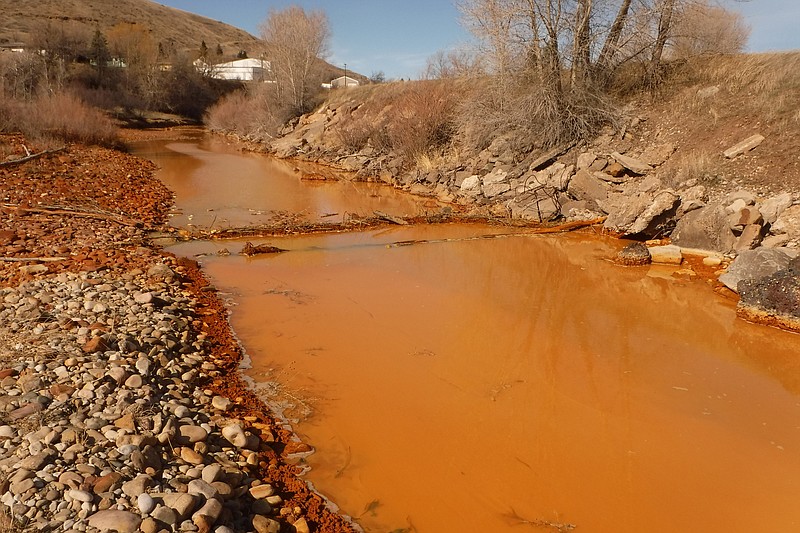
x: 487, y: 385
x: 507, y: 384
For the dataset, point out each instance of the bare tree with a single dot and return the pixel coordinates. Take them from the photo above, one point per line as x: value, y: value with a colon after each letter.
x: 708, y: 29
x: 297, y: 42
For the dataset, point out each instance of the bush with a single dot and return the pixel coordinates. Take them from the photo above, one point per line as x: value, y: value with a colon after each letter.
x: 256, y: 115
x: 63, y: 117
x: 422, y: 120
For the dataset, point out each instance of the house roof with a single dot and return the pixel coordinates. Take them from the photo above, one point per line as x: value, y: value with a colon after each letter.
x: 244, y: 63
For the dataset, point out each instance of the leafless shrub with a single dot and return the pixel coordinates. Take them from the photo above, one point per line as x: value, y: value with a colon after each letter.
x: 533, y: 115
x: 708, y: 29
x: 256, y: 115
x: 422, y: 120
x: 354, y: 134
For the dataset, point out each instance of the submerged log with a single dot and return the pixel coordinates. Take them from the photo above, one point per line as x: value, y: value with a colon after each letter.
x: 258, y: 249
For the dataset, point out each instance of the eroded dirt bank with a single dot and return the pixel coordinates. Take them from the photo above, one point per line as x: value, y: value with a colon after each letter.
x: 120, y: 390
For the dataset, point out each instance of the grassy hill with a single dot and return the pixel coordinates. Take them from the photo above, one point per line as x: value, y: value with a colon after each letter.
x: 22, y: 19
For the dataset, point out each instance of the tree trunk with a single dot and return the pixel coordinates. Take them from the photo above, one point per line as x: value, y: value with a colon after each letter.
x: 664, y: 26
x: 611, y: 45
x: 581, y: 43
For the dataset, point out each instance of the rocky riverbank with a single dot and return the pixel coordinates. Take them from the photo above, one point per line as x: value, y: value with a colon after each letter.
x: 120, y: 403
x: 726, y: 189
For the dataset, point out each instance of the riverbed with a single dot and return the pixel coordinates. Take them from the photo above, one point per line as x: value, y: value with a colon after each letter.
x: 495, y: 384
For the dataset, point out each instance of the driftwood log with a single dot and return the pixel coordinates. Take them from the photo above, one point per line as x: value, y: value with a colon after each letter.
x: 31, y: 157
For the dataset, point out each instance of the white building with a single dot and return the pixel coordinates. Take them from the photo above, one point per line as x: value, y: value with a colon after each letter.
x: 344, y: 81
x: 250, y: 69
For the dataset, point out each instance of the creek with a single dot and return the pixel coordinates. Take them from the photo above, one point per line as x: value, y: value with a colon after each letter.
x: 506, y: 384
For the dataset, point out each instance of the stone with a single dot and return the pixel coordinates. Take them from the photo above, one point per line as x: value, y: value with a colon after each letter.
x: 165, y: 515
x: 754, y: 265
x: 149, y: 525
x: 471, y: 184
x: 741, y: 194
x: 788, y: 223
x: 234, y: 434
x: 201, y: 488
x: 745, y: 146
x: 632, y: 164
x: 191, y: 456
x: 126, y: 421
x: 212, y: 473
x: 263, y: 524
x: 495, y: 189
x: 301, y: 526
x: 25, y: 411
x: 106, y: 482
x: 585, y: 160
x: 182, y: 503
x: 190, y: 434
x: 220, y: 403
x: 145, y: 503
x: 261, y: 491
x: 706, y: 228
x: 773, y: 299
x: 143, y: 297
x: 634, y: 212
x: 666, y: 255
x: 115, y: 520
x: 137, y: 486
x: 657, y: 155
x: 534, y: 206
x: 749, y: 216
x: 615, y: 170
x: 773, y: 207
x: 634, y: 254
x: 212, y: 509
x: 774, y: 241
x: 585, y: 186
x: 750, y: 237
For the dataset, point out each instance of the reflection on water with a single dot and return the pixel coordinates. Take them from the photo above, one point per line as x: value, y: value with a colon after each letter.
x: 487, y: 385
x: 498, y: 385
x: 219, y: 187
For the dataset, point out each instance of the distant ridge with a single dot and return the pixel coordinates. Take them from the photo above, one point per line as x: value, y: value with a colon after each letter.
x: 20, y: 19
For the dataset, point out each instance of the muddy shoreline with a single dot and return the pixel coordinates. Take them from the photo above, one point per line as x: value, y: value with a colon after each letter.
x: 63, y: 215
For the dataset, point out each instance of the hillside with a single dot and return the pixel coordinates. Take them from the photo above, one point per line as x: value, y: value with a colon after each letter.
x: 23, y: 18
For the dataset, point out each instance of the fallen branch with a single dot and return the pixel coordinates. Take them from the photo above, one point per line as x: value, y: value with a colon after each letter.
x: 30, y: 156
x: 32, y: 259
x: 390, y: 218
x: 55, y: 210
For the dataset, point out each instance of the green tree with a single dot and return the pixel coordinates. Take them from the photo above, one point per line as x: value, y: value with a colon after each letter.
x: 99, y: 54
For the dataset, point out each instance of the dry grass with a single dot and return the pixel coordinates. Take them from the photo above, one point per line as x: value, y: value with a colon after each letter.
x: 766, y: 86
x: 58, y: 118
x: 704, y: 167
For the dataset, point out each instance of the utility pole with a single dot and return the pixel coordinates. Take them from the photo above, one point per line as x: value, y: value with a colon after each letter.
x: 345, y: 75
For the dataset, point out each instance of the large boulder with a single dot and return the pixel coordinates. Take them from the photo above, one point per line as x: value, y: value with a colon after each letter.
x: 706, y: 228
x: 788, y: 222
x: 640, y: 208
x: 773, y: 207
x: 585, y: 186
x: 773, y: 299
x: 755, y: 265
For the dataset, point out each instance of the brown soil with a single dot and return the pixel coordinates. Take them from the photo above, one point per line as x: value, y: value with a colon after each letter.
x: 91, y: 207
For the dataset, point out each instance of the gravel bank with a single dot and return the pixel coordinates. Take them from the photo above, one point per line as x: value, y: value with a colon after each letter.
x: 120, y: 404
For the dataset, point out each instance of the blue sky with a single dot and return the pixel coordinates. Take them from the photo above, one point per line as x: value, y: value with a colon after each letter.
x: 397, y: 36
